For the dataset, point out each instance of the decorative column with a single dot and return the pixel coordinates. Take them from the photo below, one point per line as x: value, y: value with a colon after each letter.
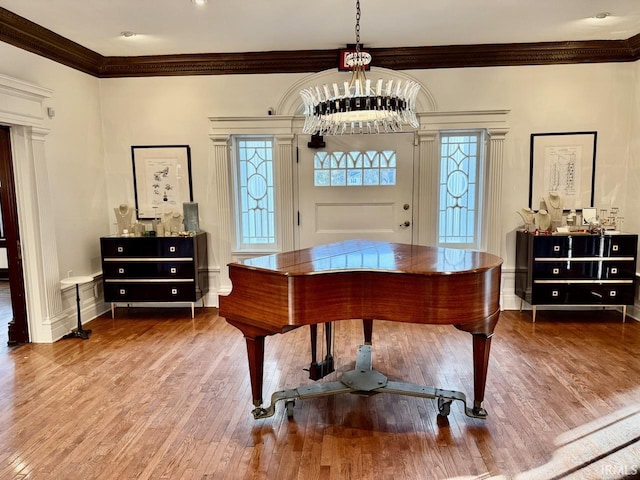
x: 427, y: 214
x: 38, y: 244
x: 493, y: 209
x: 46, y: 225
x: 284, y: 191
x: 221, y: 234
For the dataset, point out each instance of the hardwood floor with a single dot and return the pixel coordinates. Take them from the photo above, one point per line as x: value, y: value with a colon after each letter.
x: 154, y: 394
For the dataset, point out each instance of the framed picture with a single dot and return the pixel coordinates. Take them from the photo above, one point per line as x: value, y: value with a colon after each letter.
x: 564, y: 163
x: 161, y: 179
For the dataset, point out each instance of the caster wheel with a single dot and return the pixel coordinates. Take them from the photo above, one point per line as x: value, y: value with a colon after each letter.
x: 289, y: 404
x: 444, y: 407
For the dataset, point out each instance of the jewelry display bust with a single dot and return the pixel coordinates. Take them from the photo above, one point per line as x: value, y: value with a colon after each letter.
x: 554, y: 204
x: 124, y: 216
x: 543, y: 220
x: 172, y: 222
x: 528, y: 216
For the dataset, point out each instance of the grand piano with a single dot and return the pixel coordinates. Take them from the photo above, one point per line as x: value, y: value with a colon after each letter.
x: 365, y: 280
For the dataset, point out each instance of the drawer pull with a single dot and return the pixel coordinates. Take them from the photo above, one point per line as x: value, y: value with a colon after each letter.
x: 173, y: 270
x: 121, y: 270
x: 613, y: 293
x: 556, y: 248
x: 120, y: 249
x: 556, y: 271
x: 614, y: 271
x: 555, y: 293
x: 615, y: 248
x: 174, y: 291
x: 123, y: 291
x: 172, y: 249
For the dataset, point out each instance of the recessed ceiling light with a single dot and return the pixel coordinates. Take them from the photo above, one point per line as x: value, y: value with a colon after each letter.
x: 128, y: 34
x: 602, y: 15
x: 199, y: 2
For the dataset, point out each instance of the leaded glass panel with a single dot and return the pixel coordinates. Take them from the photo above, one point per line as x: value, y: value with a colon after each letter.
x: 256, y: 202
x: 355, y: 168
x: 458, y: 189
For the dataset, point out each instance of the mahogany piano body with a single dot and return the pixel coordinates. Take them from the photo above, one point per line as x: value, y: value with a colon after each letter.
x: 368, y: 280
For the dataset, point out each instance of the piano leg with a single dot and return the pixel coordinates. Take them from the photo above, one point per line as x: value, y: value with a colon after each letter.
x: 367, y: 326
x: 481, y: 347
x: 254, y: 339
x: 255, y: 355
x: 482, y: 331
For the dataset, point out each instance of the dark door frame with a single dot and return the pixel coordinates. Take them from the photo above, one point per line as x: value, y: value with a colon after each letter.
x: 18, y: 326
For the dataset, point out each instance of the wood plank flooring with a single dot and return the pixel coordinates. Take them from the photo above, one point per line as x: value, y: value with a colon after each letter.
x: 154, y: 394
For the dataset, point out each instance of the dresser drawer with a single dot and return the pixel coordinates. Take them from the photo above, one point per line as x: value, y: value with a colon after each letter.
x: 120, y: 269
x: 583, y: 294
x: 563, y: 246
x: 618, y: 270
x: 149, y: 291
x: 580, y: 269
x: 158, y: 247
x: 619, y: 245
x: 563, y: 270
x: 566, y: 246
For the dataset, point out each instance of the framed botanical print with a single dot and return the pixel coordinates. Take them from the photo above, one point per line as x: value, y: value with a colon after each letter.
x: 563, y: 163
x: 161, y: 179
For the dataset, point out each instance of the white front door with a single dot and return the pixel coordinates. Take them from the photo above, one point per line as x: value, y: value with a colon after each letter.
x: 366, y: 192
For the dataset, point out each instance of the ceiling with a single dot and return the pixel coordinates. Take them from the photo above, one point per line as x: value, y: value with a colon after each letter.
x: 166, y: 27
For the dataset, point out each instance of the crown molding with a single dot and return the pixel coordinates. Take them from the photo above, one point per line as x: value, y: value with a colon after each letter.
x: 219, y: 63
x: 634, y: 45
x: 498, y: 55
x: 24, y: 34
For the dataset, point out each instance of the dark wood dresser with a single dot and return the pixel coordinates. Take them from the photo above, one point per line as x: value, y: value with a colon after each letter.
x: 576, y: 270
x: 155, y: 269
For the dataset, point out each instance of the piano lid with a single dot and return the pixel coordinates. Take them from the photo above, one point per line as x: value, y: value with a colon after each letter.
x: 368, y: 255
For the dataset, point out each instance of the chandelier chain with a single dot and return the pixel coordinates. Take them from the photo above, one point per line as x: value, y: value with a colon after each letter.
x: 357, y: 25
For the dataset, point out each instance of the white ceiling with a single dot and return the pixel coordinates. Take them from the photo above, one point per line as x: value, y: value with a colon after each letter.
x: 223, y: 26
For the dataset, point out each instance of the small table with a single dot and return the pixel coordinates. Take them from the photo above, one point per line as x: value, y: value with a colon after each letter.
x: 79, y: 332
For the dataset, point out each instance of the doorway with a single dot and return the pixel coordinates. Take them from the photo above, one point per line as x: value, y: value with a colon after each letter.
x: 17, y: 327
x: 356, y: 186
